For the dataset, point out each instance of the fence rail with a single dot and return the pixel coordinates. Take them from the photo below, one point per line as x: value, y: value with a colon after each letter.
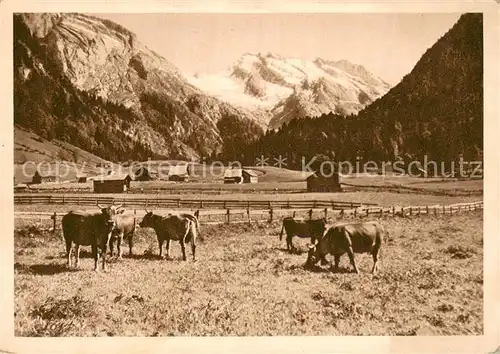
x: 180, y: 203
x: 230, y: 216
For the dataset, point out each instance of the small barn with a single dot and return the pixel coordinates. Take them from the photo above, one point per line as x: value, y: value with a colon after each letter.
x: 319, y: 183
x: 233, y: 175
x: 112, y: 184
x: 143, y: 174
x: 178, y: 173
x: 43, y: 178
x: 250, y: 176
x: 81, y: 179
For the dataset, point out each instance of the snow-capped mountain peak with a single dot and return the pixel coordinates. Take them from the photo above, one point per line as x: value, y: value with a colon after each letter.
x: 270, y: 82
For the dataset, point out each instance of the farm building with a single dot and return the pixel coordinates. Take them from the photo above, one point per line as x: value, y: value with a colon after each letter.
x: 112, y: 184
x: 81, y: 179
x: 239, y: 175
x: 250, y: 176
x: 43, y: 178
x: 318, y: 183
x: 143, y: 174
x: 178, y: 173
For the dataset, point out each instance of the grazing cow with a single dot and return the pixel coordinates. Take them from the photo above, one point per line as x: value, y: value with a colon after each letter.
x: 182, y: 227
x: 124, y: 228
x: 86, y: 229
x: 363, y: 237
x: 314, y: 229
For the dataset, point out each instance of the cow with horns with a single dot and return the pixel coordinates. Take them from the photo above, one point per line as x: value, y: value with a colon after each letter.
x: 177, y: 227
x: 350, y: 238
x: 89, y: 229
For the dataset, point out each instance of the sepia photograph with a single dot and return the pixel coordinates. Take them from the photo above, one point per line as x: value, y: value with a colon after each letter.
x: 218, y: 174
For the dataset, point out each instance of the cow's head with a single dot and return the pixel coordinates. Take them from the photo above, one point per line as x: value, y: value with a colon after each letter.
x: 112, y: 209
x: 318, y: 251
x: 108, y: 223
x: 147, y: 221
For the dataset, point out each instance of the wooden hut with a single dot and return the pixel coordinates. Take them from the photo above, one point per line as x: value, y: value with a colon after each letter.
x: 250, y: 176
x: 178, y: 173
x: 233, y: 175
x: 112, y: 184
x: 43, y: 178
x: 318, y: 183
x: 143, y: 174
x: 81, y: 179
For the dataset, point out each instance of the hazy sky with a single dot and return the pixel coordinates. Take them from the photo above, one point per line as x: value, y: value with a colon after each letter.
x: 389, y: 45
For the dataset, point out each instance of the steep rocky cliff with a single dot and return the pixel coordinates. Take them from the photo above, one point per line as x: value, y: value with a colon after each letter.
x: 91, y: 82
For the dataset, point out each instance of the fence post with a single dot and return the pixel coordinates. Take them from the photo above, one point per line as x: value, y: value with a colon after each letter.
x: 427, y: 209
x: 54, y: 216
x: 381, y: 212
x: 293, y: 215
x: 444, y: 210
x: 63, y: 199
x: 288, y: 204
x: 326, y: 213
x: 248, y: 204
x: 367, y: 212
x: 355, y: 212
x: 393, y: 211
x: 270, y: 215
x: 201, y: 204
x: 179, y: 203
x: 411, y: 211
x: 225, y: 204
x: 228, y: 216
x: 248, y: 214
x: 310, y: 213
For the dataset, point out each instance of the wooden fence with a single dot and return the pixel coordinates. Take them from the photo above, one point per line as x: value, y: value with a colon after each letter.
x: 234, y: 216
x: 180, y: 203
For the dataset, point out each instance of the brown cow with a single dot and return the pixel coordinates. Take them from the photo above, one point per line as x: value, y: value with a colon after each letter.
x: 87, y: 229
x: 313, y: 229
x: 362, y: 237
x: 182, y: 227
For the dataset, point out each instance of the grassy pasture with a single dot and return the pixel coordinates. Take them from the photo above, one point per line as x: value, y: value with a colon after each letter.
x: 245, y: 283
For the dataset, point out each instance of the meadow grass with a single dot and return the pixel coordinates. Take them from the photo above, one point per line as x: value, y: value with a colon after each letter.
x: 244, y: 282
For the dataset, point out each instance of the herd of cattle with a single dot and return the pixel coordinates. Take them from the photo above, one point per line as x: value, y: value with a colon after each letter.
x: 111, y: 225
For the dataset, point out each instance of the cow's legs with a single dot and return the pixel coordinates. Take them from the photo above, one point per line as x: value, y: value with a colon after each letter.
x: 375, y: 261
x: 119, y: 245
x: 77, y: 251
x: 337, y: 260
x: 183, y: 248
x: 193, y: 248
x: 160, y: 244
x: 168, y: 248
x: 103, y: 255
x: 111, y: 245
x: 351, y: 258
x: 68, y: 252
x: 130, y: 243
x: 95, y: 253
x: 289, y: 243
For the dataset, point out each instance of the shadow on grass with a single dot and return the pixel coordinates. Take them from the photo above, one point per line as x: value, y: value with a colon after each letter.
x: 331, y: 269
x: 294, y: 251
x: 43, y: 269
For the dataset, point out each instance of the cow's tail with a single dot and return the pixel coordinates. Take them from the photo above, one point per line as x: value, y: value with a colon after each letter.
x: 196, y: 222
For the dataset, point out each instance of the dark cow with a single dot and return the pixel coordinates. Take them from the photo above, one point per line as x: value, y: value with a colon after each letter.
x: 124, y: 227
x: 363, y: 237
x: 87, y: 229
x: 178, y: 227
x: 314, y: 228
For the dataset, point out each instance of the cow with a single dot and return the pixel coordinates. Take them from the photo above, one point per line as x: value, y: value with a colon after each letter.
x: 350, y: 238
x: 313, y: 228
x: 124, y: 227
x: 88, y: 229
x: 178, y: 227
